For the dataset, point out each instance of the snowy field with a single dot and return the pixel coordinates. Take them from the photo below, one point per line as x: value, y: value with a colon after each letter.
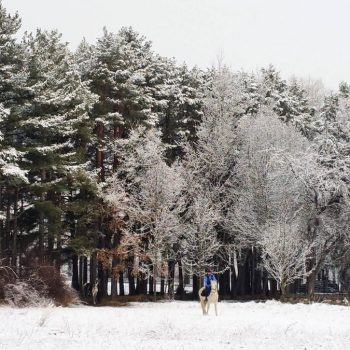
x: 177, y: 325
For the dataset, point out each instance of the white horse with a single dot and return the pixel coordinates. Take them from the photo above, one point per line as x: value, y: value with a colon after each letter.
x: 212, y: 298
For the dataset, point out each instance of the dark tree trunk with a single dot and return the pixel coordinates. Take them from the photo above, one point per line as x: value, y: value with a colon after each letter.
x: 58, y: 261
x: 81, y: 283
x: 1, y: 238
x: 195, y: 280
x: 121, y: 284
x: 50, y: 243
x: 180, y: 289
x: 41, y: 234
x: 85, y: 270
x: 75, y: 274
x: 131, y: 280
x: 242, y: 283
x: 41, y: 219
x: 103, y: 281
x: 311, y: 280
x: 257, y: 273
x: 8, y: 233
x: 93, y: 268
x: 114, y: 279
x: 117, y: 133
x: 265, y: 290
x: 15, y: 230
x: 224, y: 284
x: 141, y: 286
x: 252, y: 271
x: 171, y: 278
x: 162, y: 286
x: 273, y: 286
x: 1, y: 224
x: 99, y: 153
x: 150, y: 285
x: 82, y: 274
x: 248, y: 274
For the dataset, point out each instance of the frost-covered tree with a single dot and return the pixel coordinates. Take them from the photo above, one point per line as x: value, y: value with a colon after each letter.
x: 52, y: 123
x: 124, y: 72
x: 200, y: 243
x: 208, y: 167
x: 328, y: 183
x: 284, y: 253
x: 288, y: 100
x: 149, y: 192
x: 12, y: 93
x: 11, y: 173
x: 270, y: 197
x: 10, y: 57
x: 181, y: 105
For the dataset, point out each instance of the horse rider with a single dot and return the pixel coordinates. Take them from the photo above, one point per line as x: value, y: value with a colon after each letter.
x: 209, y: 276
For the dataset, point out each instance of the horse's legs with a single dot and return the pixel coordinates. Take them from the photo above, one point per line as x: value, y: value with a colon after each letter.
x: 208, y: 304
x: 216, y: 308
x: 203, y: 306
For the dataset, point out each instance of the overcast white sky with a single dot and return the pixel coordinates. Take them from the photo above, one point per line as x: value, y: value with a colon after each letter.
x: 308, y: 38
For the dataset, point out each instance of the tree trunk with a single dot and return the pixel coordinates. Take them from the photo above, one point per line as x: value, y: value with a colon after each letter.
x: 162, y: 286
x: 1, y: 224
x: 93, y: 268
x: 154, y: 287
x: 150, y: 285
x: 41, y: 219
x: 283, y: 290
x: 82, y: 275
x: 141, y: 286
x: 131, y: 280
x: 99, y: 153
x: 81, y: 283
x: 121, y: 284
x: 311, y: 280
x: 171, y: 278
x: 224, y: 283
x: 85, y: 270
x: 58, y: 261
x: 265, y: 289
x: 75, y: 274
x: 252, y: 271
x: 117, y: 133
x: 273, y: 286
x: 241, y: 280
x: 7, y: 235
x: 234, y: 284
x: 114, y: 279
x: 180, y: 289
x: 15, y: 230
x: 195, y: 290
x: 103, y: 281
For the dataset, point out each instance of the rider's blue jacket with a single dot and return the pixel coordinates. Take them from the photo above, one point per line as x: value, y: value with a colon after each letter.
x: 207, y: 278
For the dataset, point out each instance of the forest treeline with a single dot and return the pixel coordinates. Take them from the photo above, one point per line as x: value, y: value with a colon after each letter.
x: 120, y: 163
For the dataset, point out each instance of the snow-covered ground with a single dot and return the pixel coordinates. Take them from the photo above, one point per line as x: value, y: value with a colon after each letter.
x: 177, y: 325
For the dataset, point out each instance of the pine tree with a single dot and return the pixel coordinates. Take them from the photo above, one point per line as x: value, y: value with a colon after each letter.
x: 182, y: 106
x: 10, y: 56
x: 287, y: 100
x: 12, y: 93
x: 53, y: 122
x: 120, y: 70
